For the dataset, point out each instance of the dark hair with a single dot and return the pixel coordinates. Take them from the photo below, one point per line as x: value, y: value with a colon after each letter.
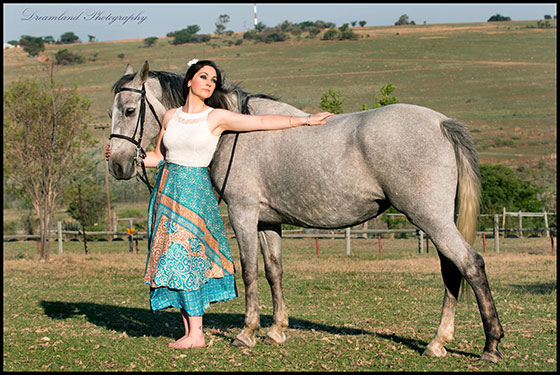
x: 218, y: 98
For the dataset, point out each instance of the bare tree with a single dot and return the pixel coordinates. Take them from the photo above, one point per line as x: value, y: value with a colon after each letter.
x: 221, y: 23
x: 44, y: 132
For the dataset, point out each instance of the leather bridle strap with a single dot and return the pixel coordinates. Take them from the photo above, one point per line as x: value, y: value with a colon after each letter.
x: 140, y: 153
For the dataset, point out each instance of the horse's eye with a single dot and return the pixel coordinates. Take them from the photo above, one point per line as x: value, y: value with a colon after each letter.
x: 129, y: 112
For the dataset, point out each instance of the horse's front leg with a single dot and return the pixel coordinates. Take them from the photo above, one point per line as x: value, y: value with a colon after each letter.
x: 244, y: 224
x: 271, y: 247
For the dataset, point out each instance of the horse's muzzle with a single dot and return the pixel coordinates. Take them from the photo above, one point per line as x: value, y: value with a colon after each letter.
x: 121, y: 171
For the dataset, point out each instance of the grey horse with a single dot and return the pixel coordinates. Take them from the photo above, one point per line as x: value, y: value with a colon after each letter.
x: 332, y: 176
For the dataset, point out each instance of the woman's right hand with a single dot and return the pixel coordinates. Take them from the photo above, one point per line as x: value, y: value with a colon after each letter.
x: 107, y: 152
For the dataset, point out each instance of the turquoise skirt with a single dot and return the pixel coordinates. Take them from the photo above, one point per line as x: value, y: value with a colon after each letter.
x: 189, y: 263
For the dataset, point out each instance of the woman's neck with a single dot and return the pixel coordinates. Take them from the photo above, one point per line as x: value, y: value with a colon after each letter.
x: 194, y: 105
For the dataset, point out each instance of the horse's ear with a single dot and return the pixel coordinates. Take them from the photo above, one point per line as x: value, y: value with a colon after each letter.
x: 144, y: 71
x: 142, y: 75
x: 129, y: 69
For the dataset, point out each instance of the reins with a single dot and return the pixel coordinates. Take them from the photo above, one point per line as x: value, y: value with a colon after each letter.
x: 140, y: 153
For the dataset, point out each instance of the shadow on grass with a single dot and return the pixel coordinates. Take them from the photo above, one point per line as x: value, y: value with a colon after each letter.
x: 138, y: 322
x: 536, y: 288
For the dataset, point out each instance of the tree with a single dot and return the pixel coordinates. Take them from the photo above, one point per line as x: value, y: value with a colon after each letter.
x: 221, y: 23
x: 331, y: 101
x: 44, y: 134
x: 148, y: 42
x: 193, y: 29
x: 501, y: 187
x: 48, y: 39
x: 91, y: 38
x: 87, y: 202
x: 260, y: 27
x: 403, y: 20
x: 498, y: 17
x: 32, y: 45
x: 181, y: 37
x: 362, y: 23
x: 69, y: 37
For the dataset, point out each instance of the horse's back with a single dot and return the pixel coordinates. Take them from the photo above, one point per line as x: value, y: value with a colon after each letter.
x: 339, y: 174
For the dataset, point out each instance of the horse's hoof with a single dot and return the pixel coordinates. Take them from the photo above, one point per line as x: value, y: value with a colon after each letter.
x: 243, y: 342
x: 275, y: 337
x: 432, y: 351
x: 494, y: 356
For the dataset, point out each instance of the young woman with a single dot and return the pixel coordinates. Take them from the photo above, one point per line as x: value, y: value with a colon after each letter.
x: 189, y: 263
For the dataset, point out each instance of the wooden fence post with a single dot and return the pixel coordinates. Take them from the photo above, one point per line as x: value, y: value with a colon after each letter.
x: 347, y: 237
x: 504, y: 223
x: 420, y: 235
x: 546, y: 224
x: 496, y: 234
x: 59, y: 227
x: 520, y: 225
x: 115, y: 224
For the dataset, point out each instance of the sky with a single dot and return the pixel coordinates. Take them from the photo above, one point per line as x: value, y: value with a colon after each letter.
x: 120, y: 21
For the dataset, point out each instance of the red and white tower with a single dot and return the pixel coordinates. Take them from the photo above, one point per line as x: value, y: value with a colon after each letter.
x: 255, y: 8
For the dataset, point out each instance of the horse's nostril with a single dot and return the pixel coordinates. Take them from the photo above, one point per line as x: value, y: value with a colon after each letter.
x: 116, y: 169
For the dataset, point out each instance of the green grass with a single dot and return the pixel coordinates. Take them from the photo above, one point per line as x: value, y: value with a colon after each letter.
x: 369, y: 311
x: 498, y: 78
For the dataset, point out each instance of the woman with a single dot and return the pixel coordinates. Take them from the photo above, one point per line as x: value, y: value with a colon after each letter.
x: 189, y: 263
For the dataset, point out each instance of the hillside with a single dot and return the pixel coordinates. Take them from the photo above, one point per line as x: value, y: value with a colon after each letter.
x: 499, y: 78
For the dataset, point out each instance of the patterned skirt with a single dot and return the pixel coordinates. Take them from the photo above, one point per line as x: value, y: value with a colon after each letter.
x: 189, y: 261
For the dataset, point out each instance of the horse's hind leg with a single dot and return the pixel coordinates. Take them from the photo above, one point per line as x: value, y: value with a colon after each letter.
x: 271, y: 247
x: 452, y: 280
x: 471, y: 265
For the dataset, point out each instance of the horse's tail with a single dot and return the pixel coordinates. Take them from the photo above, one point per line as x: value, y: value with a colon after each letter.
x: 468, y: 190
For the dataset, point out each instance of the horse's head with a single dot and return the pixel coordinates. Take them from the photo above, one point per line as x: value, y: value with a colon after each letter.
x: 124, y: 114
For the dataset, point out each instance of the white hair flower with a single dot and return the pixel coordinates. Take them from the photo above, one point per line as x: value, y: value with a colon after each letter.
x: 192, y: 62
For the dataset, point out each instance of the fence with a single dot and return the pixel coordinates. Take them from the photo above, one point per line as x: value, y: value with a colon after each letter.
x: 346, y: 234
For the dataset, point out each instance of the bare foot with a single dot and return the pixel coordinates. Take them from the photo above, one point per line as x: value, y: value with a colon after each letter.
x: 188, y: 342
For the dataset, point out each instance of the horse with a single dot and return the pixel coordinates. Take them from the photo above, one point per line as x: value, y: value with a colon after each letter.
x: 332, y: 176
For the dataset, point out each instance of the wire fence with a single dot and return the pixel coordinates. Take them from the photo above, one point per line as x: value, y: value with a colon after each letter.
x: 132, y: 235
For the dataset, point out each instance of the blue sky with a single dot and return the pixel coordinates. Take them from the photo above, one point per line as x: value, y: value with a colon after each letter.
x: 129, y: 21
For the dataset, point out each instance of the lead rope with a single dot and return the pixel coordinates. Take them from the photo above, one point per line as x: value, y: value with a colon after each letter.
x: 221, y: 193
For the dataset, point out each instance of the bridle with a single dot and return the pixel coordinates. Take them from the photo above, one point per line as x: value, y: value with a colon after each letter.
x: 140, y: 153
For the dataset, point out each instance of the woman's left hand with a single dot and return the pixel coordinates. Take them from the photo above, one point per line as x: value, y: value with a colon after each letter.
x: 318, y: 118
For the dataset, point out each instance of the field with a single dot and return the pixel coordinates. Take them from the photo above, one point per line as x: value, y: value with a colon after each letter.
x: 347, y: 313
x: 368, y: 311
x: 499, y: 78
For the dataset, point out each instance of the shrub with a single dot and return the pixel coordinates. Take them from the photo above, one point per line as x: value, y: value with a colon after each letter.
x: 65, y: 57
x: 330, y: 34
x: 348, y: 35
x: 385, y: 99
x: 331, y: 101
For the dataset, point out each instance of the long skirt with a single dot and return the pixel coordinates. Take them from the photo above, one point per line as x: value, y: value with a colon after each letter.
x: 189, y: 261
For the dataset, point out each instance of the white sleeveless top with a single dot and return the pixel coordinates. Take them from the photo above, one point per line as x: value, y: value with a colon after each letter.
x: 188, y: 140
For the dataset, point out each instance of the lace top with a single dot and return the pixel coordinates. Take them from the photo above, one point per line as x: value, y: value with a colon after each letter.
x: 188, y: 140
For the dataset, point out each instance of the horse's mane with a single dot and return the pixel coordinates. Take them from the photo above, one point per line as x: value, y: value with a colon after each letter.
x: 173, y: 94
